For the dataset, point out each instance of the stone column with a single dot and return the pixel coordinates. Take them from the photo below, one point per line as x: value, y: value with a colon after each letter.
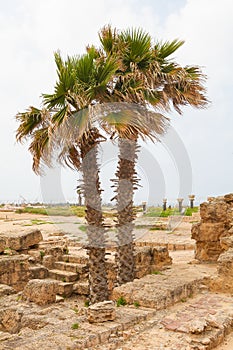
x: 191, y: 199
x: 164, y: 204
x: 180, y: 201
x: 144, y: 207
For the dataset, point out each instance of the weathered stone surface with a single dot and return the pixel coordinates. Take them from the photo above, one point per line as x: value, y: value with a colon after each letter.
x: 225, y: 264
x: 148, y: 259
x: 14, y: 271
x: 56, y: 252
x: 215, y: 226
x: 41, y: 292
x: 10, y: 320
x: 229, y: 198
x: 34, y: 321
x: 226, y: 242
x: 38, y: 272
x: 215, y: 211
x: 2, y: 245
x: 81, y: 288
x: 65, y: 288
x: 6, y: 290
x: 21, y: 240
x: 208, y: 251
x: 48, y: 261
x: 101, y: 312
x: 205, y: 232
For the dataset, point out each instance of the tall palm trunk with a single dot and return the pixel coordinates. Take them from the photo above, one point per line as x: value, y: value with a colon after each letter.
x: 126, y: 184
x: 95, y: 229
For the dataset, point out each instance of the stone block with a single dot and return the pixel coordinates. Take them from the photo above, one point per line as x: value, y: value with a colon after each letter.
x: 81, y: 288
x: 41, y: 292
x: 101, y: 312
x: 21, y: 240
x: 14, y: 271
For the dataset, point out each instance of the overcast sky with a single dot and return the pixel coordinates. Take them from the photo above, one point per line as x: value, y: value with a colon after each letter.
x: 197, y: 154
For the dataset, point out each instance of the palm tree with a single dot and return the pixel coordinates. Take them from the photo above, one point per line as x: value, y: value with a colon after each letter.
x: 148, y: 78
x: 82, y: 81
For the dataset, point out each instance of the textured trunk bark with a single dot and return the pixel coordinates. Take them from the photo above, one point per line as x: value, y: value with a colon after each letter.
x: 95, y: 230
x: 126, y: 183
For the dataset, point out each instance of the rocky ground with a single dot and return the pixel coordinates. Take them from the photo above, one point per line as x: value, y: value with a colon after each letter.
x: 171, y: 309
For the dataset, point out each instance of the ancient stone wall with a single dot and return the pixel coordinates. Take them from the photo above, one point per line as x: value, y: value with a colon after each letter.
x: 147, y: 261
x: 216, y: 222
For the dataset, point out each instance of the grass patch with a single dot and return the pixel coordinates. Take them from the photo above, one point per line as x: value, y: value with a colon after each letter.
x: 190, y: 211
x: 156, y: 272
x: 54, y: 210
x: 61, y: 210
x: 121, y: 301
x: 38, y: 222
x: 136, y: 304
x: 158, y: 212
x: 158, y: 228
x: 82, y: 228
x: 75, y: 326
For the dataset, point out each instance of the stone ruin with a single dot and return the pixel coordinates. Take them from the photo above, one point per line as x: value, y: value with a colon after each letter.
x: 214, y: 239
x: 43, y: 270
x: 216, y: 223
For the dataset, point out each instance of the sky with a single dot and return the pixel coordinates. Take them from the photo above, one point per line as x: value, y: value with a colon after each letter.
x: 195, y: 156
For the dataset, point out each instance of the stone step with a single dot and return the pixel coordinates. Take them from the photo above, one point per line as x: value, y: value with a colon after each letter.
x: 65, y: 266
x: 163, y: 289
x: 72, y: 267
x: 65, y: 289
x: 77, y: 259
x: 64, y: 276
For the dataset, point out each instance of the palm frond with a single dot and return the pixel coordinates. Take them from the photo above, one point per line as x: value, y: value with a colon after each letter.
x: 59, y: 117
x: 165, y: 49
x: 137, y: 47
x: 29, y: 121
x: 109, y: 38
x: 39, y: 148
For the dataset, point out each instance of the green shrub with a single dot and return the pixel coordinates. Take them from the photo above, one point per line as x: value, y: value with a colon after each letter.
x: 121, y: 301
x: 86, y: 303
